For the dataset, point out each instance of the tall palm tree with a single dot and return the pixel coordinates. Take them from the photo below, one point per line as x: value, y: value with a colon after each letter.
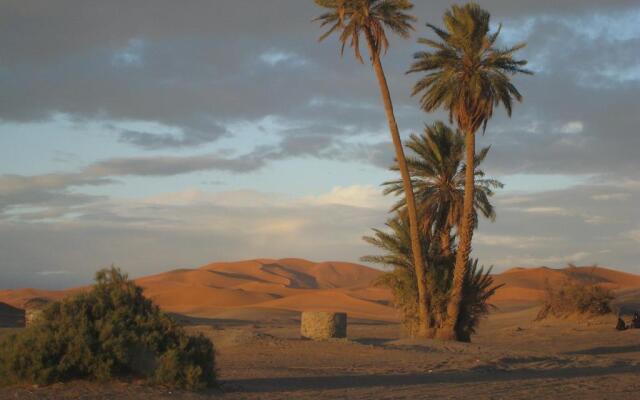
x: 370, y: 18
x: 467, y: 75
x: 438, y: 175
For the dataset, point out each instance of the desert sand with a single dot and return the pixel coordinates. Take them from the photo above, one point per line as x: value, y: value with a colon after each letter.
x: 251, y: 311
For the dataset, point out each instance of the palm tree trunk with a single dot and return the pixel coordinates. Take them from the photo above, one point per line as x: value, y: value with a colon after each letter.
x: 416, y: 246
x: 448, y: 331
x: 445, y: 241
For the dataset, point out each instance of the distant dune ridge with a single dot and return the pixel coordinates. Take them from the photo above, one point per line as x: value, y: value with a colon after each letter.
x: 261, y: 288
x: 527, y: 284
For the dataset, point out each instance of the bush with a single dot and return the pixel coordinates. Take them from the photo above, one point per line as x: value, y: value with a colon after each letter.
x: 575, y: 297
x: 111, y: 331
x: 478, y: 284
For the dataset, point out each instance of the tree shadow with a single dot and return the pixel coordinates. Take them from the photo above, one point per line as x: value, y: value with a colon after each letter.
x: 370, y: 322
x: 372, y: 341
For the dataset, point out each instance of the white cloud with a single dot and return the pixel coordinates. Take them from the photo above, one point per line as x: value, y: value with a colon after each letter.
x: 130, y: 55
x: 55, y: 272
x: 236, y: 198
x: 511, y: 241
x: 363, y: 196
x: 283, y: 226
x: 533, y: 261
x: 572, y: 127
x: 547, y: 210
x: 513, y: 200
x: 588, y: 217
x: 634, y: 235
x: 595, y: 219
x: 275, y: 57
x: 611, y: 196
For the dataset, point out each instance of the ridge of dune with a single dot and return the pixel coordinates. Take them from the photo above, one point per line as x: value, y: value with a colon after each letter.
x: 597, y: 274
x: 298, y: 273
x: 294, y: 284
x: 528, y: 284
x: 332, y: 300
x: 19, y: 297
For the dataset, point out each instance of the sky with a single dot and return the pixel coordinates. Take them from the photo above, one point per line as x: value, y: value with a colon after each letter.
x: 160, y: 134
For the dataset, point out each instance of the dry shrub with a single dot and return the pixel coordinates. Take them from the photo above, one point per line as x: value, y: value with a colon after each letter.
x: 575, y: 297
x: 109, y: 332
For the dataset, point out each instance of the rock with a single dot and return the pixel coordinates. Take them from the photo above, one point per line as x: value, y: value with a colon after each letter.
x: 319, y: 325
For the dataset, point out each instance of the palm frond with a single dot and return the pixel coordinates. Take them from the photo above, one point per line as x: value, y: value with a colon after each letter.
x: 371, y: 18
x: 464, y: 72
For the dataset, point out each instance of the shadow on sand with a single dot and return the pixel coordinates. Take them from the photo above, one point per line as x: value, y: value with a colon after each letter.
x: 216, y: 322
x: 266, y: 385
x: 607, y: 350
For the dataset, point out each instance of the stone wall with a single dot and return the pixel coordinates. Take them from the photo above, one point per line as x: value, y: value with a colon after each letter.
x: 32, y: 315
x: 33, y: 310
x: 320, y: 325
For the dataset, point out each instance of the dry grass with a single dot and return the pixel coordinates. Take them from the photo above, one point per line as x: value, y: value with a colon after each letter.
x: 575, y: 297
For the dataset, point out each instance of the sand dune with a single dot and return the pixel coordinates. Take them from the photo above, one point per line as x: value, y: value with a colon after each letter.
x: 528, y: 284
x: 251, y: 288
x: 19, y: 297
x: 287, y: 284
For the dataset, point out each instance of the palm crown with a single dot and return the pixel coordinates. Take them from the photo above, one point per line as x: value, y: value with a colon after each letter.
x: 465, y: 73
x: 437, y: 173
x: 369, y: 17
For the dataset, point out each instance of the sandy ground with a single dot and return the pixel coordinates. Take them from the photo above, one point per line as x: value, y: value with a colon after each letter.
x: 511, y: 357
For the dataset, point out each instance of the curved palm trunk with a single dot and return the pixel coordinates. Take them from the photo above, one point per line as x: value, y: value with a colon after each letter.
x: 416, y: 246
x: 448, y: 331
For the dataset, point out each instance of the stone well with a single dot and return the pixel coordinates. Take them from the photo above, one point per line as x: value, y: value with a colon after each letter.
x: 33, y: 310
x: 319, y: 325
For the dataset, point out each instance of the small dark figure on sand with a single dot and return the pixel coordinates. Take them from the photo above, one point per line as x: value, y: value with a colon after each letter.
x: 621, y: 326
x: 635, y: 322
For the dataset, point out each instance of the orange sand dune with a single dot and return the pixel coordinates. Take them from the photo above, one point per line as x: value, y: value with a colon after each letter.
x: 528, y: 284
x: 286, y: 286
x: 19, y: 297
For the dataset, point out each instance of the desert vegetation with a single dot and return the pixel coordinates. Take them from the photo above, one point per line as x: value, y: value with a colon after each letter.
x: 464, y: 73
x: 575, y: 297
x: 479, y: 285
x: 437, y: 172
x: 112, y: 331
x: 370, y: 18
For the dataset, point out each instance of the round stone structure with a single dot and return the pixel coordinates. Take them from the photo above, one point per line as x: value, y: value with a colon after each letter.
x: 321, y: 325
x: 33, y: 310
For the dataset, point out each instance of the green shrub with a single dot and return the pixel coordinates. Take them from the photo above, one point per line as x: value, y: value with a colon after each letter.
x: 575, y: 297
x: 396, y: 246
x: 112, y: 331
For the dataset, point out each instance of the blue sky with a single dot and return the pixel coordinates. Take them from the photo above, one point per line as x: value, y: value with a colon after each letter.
x: 161, y: 136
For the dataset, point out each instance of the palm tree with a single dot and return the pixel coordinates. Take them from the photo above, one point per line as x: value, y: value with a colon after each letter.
x: 467, y: 75
x: 478, y: 283
x: 370, y: 18
x: 438, y: 175
x: 402, y: 279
